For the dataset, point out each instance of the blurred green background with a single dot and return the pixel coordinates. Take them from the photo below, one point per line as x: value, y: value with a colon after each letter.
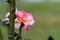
x: 46, y: 15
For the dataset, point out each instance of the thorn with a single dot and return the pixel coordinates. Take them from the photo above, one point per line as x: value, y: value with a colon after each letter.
x: 15, y: 34
x: 12, y: 10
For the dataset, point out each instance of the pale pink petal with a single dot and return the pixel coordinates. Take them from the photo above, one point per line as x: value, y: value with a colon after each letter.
x: 16, y: 12
x: 26, y: 27
x: 31, y: 22
x: 29, y: 17
x: 8, y: 14
x: 17, y: 26
x: 6, y: 19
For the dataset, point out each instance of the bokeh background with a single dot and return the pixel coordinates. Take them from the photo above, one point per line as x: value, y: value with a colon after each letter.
x: 46, y: 14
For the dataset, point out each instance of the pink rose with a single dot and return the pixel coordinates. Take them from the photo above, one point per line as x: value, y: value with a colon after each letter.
x: 24, y: 17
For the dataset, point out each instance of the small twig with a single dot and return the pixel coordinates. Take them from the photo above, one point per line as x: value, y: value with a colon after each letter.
x: 19, y: 37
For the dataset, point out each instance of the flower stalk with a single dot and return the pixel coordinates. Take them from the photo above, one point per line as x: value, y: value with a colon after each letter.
x: 19, y: 37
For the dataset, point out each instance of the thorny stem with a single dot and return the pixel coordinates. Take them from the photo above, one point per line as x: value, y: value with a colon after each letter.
x: 12, y: 12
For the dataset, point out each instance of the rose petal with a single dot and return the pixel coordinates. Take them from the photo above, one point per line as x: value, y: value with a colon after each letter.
x: 17, y: 26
